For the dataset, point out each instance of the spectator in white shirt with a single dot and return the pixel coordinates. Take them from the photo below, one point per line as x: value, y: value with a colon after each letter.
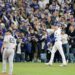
x: 65, y: 44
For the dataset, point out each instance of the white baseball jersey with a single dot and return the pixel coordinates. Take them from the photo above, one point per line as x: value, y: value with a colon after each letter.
x: 57, y: 35
x: 10, y: 41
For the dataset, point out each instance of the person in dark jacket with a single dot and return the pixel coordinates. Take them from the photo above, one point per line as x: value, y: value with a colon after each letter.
x: 71, y: 34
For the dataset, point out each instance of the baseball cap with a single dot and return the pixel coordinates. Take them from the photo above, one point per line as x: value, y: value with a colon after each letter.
x: 57, y: 24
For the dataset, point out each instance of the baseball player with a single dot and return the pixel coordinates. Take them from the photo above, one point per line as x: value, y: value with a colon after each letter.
x: 57, y: 46
x: 8, y: 50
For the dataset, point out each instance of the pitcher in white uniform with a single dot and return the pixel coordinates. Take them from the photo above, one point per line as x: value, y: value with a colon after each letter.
x: 57, y: 46
x: 8, y: 50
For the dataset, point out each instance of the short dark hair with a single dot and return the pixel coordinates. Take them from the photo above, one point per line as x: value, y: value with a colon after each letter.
x: 9, y: 31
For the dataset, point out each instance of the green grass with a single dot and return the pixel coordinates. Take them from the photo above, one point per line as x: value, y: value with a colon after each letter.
x: 41, y: 69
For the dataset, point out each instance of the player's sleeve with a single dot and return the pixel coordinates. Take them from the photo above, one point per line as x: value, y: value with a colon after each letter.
x: 5, y: 39
x: 50, y: 31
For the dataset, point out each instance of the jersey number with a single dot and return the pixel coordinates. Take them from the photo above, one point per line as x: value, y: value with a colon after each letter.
x: 12, y: 40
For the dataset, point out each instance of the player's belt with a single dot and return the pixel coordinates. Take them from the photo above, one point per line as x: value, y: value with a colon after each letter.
x: 56, y: 40
x: 9, y: 48
x: 6, y: 48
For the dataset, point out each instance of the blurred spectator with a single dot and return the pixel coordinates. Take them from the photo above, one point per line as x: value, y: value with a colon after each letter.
x: 1, y: 39
x: 29, y: 21
x: 65, y: 45
x: 72, y: 42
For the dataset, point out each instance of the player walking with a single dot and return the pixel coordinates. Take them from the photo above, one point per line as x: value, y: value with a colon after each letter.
x: 57, y: 46
x: 8, y: 50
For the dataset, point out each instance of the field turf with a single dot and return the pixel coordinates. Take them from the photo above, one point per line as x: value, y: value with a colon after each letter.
x: 41, y: 69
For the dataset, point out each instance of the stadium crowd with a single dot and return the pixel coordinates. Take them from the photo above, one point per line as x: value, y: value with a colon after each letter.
x: 29, y: 21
